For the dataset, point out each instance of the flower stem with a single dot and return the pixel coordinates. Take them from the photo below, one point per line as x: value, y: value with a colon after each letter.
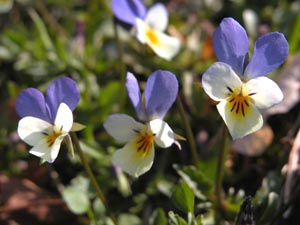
x: 90, y: 174
x: 219, y: 173
x: 189, y: 132
x: 122, y: 68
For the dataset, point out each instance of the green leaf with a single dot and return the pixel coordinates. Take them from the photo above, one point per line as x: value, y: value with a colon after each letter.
x: 108, y: 100
x: 294, y: 36
x: 80, y: 183
x: 77, y: 201
x: 175, y: 219
x: 129, y: 219
x: 123, y: 184
x: 110, y: 93
x: 40, y: 25
x: 199, y: 220
x: 5, y: 53
x: 99, y: 207
x: 183, y: 197
x: 195, y: 178
x: 158, y: 217
x: 270, y: 209
x: 271, y: 183
x: 44, y: 35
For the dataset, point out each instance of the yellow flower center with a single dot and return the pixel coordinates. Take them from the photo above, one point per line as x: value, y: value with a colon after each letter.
x: 52, y: 134
x: 239, y: 101
x: 150, y: 34
x: 144, y: 141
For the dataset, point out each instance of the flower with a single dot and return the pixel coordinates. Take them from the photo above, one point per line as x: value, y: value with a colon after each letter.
x: 129, y: 10
x: 240, y: 88
x: 137, y: 156
x: 150, y: 25
x: 46, y: 121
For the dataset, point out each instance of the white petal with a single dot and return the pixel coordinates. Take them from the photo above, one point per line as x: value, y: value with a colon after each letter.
x: 45, y: 152
x: 163, y: 45
x: 55, y: 148
x: 41, y: 150
x: 141, y: 28
x: 132, y: 161
x: 122, y: 127
x: 267, y: 92
x: 167, y: 46
x: 240, y: 126
x: 157, y: 17
x: 64, y: 118
x: 217, y: 79
x: 30, y: 129
x: 164, y: 136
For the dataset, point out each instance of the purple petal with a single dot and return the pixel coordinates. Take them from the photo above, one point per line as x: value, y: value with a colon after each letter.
x: 270, y: 52
x: 31, y: 102
x: 231, y: 44
x: 61, y: 90
x: 135, y: 95
x: 128, y: 10
x: 160, y: 93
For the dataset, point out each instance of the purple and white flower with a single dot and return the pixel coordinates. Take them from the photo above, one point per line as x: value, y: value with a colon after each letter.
x: 241, y: 88
x: 150, y: 25
x: 137, y: 156
x: 47, y: 120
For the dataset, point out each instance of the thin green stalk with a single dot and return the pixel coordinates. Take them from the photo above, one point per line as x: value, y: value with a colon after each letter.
x: 122, y: 68
x: 219, y: 173
x: 90, y: 174
x: 189, y: 132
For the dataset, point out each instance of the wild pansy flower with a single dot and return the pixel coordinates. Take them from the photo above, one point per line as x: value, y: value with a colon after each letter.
x: 241, y: 88
x: 137, y: 156
x: 46, y: 121
x: 150, y: 25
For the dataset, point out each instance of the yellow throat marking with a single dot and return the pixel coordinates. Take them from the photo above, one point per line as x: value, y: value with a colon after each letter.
x: 52, y: 134
x: 239, y: 101
x: 151, y: 35
x: 144, y: 141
